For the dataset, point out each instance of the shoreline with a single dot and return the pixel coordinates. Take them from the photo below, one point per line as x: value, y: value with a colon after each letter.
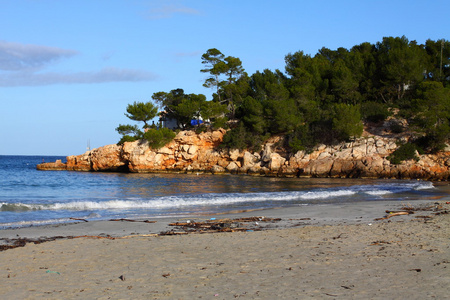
x: 342, y: 252
x: 300, y: 215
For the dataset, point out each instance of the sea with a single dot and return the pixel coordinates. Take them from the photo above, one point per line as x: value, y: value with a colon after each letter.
x: 29, y: 197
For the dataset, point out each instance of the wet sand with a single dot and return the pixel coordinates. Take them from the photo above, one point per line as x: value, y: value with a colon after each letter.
x: 325, y: 252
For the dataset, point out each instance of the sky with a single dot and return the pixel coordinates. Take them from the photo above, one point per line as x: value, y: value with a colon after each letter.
x: 68, y: 68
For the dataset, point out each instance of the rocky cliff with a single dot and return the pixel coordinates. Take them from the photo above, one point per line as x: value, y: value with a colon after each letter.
x: 191, y: 152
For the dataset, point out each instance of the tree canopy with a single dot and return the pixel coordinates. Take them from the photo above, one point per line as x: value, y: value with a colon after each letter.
x: 141, y: 112
x: 321, y: 98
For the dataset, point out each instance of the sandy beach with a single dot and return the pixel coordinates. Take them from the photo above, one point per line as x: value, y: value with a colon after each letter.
x: 325, y: 252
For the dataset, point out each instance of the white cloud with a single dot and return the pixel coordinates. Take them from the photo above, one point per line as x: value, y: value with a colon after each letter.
x: 49, y: 78
x: 23, y: 65
x: 15, y: 56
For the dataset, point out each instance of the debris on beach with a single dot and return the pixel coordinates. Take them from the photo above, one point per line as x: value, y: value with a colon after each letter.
x: 78, y: 219
x: 221, y: 225
x: 21, y: 242
x: 436, y: 209
x: 131, y: 220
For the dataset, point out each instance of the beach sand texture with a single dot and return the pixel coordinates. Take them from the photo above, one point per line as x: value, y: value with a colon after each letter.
x: 395, y: 258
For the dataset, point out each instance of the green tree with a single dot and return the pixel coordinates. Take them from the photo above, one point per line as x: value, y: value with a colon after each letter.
x: 432, y: 114
x: 233, y: 71
x: 168, y: 101
x: 301, y: 80
x: 157, y: 138
x: 280, y: 112
x: 347, y: 121
x: 252, y: 115
x: 140, y: 111
x: 129, y: 133
x: 212, y: 110
x: 215, y: 65
x: 189, y: 109
x: 438, y: 67
x: 401, y: 66
x: 361, y: 61
x: 225, y: 73
x: 344, y: 84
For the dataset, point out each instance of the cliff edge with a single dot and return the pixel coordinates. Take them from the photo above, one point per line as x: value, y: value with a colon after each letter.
x: 365, y: 157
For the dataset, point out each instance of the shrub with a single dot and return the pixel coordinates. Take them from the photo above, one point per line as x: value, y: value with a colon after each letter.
x: 404, y: 152
x: 127, y: 138
x: 241, y: 138
x: 220, y: 122
x: 201, y: 128
x: 396, y: 127
x: 374, y: 111
x: 301, y: 140
x: 347, y: 121
x: 157, y: 138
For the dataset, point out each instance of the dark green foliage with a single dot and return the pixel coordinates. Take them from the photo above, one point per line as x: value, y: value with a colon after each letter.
x: 130, y: 133
x: 157, y: 138
x: 322, y: 99
x: 252, y: 116
x: 127, y: 138
x: 129, y: 130
x: 225, y: 74
x: 401, y: 66
x: 374, y: 111
x: 301, y: 140
x: 432, y: 114
x: 140, y: 111
x: 433, y: 142
x: 406, y: 151
x: 235, y: 138
x: 396, y: 127
x: 220, y: 122
x: 347, y: 121
x: 186, y: 107
x: 240, y: 138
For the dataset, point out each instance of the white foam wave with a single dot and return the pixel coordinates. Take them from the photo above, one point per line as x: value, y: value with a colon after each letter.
x: 35, y: 223
x: 326, y: 194
x: 178, y: 201
x: 423, y: 185
x: 378, y: 192
x: 212, y: 199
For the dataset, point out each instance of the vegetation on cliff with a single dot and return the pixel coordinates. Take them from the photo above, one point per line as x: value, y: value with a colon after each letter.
x: 322, y: 99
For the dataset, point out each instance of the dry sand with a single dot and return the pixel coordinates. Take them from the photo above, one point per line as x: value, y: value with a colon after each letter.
x: 340, y: 253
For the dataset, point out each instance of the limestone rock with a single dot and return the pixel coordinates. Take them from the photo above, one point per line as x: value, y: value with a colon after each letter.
x: 58, y: 165
x: 191, y: 152
x: 107, y: 158
x: 276, y: 162
x: 217, y: 169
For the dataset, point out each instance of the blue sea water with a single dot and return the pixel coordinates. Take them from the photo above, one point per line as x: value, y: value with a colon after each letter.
x: 31, y: 197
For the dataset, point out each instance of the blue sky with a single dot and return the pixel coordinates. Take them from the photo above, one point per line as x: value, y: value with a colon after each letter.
x: 68, y: 69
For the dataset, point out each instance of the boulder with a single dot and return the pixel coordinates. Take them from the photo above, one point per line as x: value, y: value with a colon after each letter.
x: 107, y: 158
x: 58, y: 165
x: 276, y: 162
x: 189, y: 152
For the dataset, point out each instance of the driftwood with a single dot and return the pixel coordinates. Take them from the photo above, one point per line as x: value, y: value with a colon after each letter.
x: 393, y: 214
x: 437, y: 209
x: 130, y: 220
x: 92, y: 237
x: 77, y: 219
x: 221, y: 225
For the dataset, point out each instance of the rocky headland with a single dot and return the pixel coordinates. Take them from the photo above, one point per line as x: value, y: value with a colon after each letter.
x: 189, y: 152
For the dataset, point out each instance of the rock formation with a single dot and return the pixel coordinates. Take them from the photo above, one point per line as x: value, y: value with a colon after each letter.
x: 191, y: 152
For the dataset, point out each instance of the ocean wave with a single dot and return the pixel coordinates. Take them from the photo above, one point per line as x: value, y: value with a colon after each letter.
x: 223, y: 199
x: 20, y: 224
